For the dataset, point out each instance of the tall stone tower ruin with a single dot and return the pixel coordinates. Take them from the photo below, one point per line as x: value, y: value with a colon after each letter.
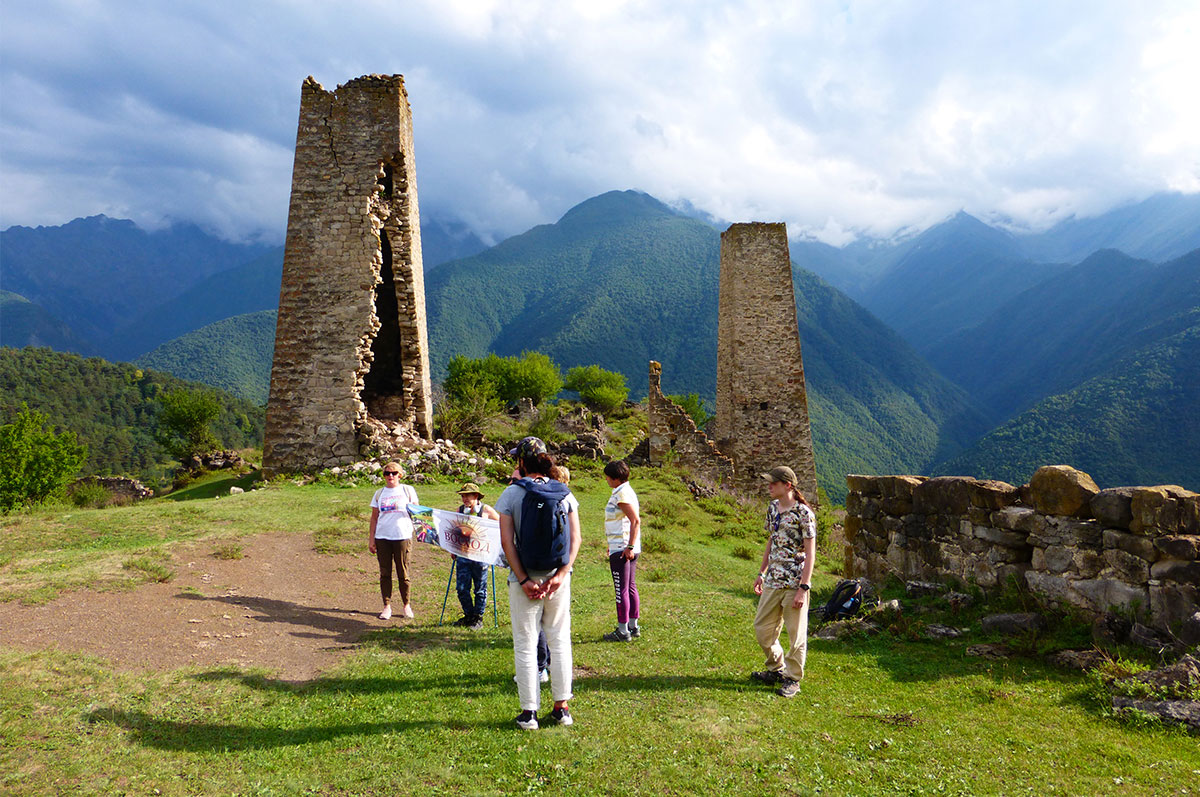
x: 351, y: 368
x: 762, y: 406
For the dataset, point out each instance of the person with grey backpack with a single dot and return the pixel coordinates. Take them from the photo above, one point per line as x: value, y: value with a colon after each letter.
x: 539, y: 531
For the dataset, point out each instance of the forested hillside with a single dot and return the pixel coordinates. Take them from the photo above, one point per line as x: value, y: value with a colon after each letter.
x: 1138, y: 423
x: 112, y: 407
x: 233, y: 354
x: 621, y: 279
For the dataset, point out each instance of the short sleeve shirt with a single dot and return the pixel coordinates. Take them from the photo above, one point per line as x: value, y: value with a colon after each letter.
x: 392, y: 503
x: 616, y: 524
x: 509, y: 503
x: 788, y: 530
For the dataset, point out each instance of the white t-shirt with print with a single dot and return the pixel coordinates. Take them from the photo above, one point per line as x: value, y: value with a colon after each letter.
x: 392, y: 503
x: 616, y: 524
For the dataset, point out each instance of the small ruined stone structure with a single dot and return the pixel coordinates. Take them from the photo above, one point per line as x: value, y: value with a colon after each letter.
x: 351, y: 368
x: 762, y: 405
x: 1134, y: 549
x: 674, y: 433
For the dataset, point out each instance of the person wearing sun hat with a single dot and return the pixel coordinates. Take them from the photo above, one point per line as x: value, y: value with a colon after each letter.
x: 783, y: 582
x: 471, y: 576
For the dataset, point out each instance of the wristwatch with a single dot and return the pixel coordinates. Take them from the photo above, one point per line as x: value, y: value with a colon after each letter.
x: 806, y: 587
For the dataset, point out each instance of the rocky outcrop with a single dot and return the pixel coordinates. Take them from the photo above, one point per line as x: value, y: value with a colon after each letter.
x: 1133, y: 549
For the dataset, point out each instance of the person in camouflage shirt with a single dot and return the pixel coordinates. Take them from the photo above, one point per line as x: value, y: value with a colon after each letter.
x: 783, y: 582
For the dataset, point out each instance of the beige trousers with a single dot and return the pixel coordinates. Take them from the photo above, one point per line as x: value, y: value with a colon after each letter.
x: 774, y: 612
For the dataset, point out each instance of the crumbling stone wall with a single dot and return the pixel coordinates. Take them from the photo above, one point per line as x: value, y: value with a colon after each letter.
x: 351, y: 367
x: 762, y: 404
x: 673, y: 434
x: 1133, y: 549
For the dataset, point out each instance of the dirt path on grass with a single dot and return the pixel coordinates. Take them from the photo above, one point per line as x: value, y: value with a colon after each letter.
x: 283, y: 607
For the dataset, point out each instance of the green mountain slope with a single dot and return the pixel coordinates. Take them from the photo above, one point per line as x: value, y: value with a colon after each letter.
x: 245, y: 288
x: 23, y: 323
x: 1069, y: 329
x: 233, y: 354
x: 950, y: 277
x: 1138, y: 423
x: 99, y: 273
x: 622, y: 279
x: 111, y: 406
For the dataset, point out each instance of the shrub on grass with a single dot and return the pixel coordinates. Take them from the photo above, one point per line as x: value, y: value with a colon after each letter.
x: 744, y: 552
x: 600, y: 389
x: 35, y: 462
x: 150, y: 568
x: 90, y: 494
x: 229, y: 551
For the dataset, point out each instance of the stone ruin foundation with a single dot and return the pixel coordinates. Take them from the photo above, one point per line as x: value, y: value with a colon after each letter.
x: 1133, y: 550
x: 762, y: 402
x: 351, y: 370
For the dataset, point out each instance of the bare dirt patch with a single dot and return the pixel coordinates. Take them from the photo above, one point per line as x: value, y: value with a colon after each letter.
x: 282, y: 606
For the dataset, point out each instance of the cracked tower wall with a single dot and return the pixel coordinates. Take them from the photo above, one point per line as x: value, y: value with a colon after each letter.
x: 762, y: 404
x: 351, y: 351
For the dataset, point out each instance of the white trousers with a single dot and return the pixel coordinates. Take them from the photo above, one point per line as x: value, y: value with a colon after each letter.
x: 552, y: 615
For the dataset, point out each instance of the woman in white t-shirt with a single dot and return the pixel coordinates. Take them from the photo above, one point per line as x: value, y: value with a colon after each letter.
x: 623, y: 528
x: 391, y: 536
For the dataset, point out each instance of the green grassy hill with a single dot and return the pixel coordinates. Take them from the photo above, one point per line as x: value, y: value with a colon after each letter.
x: 414, y: 707
x: 622, y: 279
x: 112, y: 407
x: 233, y: 354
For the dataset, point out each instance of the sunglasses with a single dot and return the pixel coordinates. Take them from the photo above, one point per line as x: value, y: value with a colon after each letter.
x: 391, y: 473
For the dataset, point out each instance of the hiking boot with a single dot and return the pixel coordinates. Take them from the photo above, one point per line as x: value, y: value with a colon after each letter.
x: 635, y: 631
x: 475, y: 624
x: 527, y: 721
x: 465, y: 620
x: 559, y: 716
x: 789, y: 687
x: 615, y: 635
x: 769, y: 677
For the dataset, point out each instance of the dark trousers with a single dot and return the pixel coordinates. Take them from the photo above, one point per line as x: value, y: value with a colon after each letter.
x: 624, y: 575
x: 390, y: 552
x: 471, y: 583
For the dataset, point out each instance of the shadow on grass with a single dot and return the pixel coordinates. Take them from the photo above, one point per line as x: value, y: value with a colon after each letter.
x: 344, y: 628
x: 213, y: 488
x: 164, y: 734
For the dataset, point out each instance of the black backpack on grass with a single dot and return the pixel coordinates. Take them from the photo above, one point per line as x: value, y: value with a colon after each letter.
x: 544, y: 538
x: 845, y: 602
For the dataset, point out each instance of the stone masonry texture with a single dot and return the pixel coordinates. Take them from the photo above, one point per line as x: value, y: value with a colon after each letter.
x: 762, y: 405
x: 351, y: 363
x: 1135, y: 550
x: 673, y: 434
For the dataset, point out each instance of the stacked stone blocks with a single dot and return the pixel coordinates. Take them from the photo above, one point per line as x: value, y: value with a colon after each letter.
x: 1135, y: 550
x: 673, y: 434
x: 351, y: 356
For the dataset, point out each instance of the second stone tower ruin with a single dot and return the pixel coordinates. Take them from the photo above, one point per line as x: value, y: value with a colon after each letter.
x: 351, y: 369
x: 762, y: 404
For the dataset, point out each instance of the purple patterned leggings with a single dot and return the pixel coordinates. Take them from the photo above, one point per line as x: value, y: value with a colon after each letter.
x: 624, y: 574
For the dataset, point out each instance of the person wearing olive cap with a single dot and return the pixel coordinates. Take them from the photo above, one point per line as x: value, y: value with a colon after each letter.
x: 470, y: 576
x: 783, y: 582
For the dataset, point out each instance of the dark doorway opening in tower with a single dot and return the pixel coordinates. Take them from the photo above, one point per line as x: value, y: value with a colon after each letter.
x: 383, y: 386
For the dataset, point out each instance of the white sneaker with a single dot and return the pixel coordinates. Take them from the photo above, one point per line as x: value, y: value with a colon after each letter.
x: 408, y: 612
x: 386, y: 614
x: 544, y: 676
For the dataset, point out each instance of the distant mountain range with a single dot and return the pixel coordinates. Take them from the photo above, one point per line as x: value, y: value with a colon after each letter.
x: 1064, y: 352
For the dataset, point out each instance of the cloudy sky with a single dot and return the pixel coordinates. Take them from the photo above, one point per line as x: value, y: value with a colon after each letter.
x: 841, y: 118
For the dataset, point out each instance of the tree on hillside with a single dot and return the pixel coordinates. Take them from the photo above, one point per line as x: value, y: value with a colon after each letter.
x: 34, y: 461
x: 183, y: 423
x: 694, y: 406
x: 600, y: 389
x: 533, y: 375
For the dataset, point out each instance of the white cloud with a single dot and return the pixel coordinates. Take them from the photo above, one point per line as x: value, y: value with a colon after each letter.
x: 840, y: 118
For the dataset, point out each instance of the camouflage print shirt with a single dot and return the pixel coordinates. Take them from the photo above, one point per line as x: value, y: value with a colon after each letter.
x: 787, y: 530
